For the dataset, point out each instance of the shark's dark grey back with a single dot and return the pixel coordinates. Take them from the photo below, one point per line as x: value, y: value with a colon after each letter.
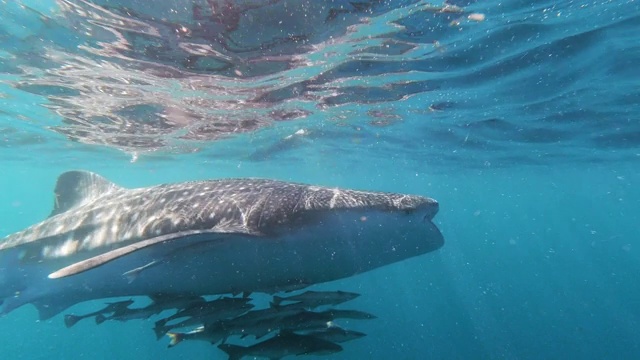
x: 230, y: 205
x: 257, y: 205
x: 288, y: 201
x: 91, y: 212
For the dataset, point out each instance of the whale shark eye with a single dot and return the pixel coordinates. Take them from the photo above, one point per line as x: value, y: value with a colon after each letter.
x: 409, y: 211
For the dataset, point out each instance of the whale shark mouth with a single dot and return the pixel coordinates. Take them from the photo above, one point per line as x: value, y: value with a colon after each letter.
x: 432, y: 210
x: 435, y: 239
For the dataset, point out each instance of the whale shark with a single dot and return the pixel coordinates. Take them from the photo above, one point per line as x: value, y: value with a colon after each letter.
x: 208, y: 237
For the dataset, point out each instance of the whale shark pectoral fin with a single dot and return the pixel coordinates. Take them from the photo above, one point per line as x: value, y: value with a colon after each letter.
x: 109, y: 256
x: 184, y: 238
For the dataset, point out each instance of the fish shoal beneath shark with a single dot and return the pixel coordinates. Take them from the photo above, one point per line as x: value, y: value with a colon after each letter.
x: 205, y: 238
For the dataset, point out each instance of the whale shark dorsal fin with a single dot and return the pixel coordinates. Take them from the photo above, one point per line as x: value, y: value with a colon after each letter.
x: 74, y: 188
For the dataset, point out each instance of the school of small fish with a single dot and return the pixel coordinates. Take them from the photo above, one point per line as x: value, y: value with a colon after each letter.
x: 301, y: 324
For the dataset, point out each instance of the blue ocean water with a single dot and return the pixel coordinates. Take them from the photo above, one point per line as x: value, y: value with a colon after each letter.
x: 523, y: 123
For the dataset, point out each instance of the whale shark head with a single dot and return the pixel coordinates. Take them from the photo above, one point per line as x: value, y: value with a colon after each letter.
x: 364, y: 216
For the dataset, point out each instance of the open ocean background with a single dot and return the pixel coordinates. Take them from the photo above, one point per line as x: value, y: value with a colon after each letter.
x: 524, y: 126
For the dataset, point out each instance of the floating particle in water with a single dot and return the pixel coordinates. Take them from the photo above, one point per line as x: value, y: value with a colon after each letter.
x: 476, y: 17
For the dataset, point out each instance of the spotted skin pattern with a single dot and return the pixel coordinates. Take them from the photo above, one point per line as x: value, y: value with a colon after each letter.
x: 104, y: 216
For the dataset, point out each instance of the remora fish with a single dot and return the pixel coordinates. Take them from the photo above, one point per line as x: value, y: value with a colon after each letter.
x: 202, y: 333
x: 257, y: 323
x: 207, y: 307
x: 284, y: 344
x: 71, y: 319
x: 348, y: 314
x: 307, y: 321
x: 161, y: 330
x: 205, y: 238
x: 260, y: 323
x: 335, y: 334
x: 313, y: 299
x: 207, y: 313
x: 159, y: 304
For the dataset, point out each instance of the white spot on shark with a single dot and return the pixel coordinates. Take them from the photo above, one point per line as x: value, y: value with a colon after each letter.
x: 332, y: 202
x: 69, y: 247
